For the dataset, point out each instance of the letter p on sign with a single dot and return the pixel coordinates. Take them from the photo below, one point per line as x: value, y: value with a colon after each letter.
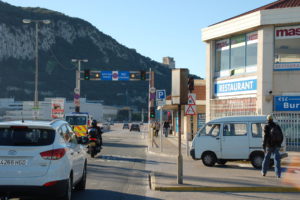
x: 160, y: 94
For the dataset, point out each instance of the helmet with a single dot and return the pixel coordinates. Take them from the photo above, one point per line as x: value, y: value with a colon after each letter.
x: 270, y: 118
x: 94, y: 122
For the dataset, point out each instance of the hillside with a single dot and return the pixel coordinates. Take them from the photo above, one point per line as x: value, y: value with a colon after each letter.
x: 60, y: 41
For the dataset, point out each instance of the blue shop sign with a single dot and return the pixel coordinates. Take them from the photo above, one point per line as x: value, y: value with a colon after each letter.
x: 124, y: 75
x: 236, y: 86
x: 287, y: 103
x: 106, y: 75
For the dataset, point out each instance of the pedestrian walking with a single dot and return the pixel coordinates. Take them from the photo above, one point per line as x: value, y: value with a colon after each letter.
x: 272, y: 141
x: 166, y: 128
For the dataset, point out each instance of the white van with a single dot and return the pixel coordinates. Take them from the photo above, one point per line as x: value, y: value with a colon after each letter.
x: 231, y: 138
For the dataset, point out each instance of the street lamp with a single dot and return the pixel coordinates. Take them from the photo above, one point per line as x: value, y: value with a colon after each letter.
x: 77, y: 88
x: 28, y: 21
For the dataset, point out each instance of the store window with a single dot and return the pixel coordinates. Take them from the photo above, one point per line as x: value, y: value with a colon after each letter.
x: 238, y: 50
x: 287, y: 47
x: 251, y: 52
x: 222, y: 56
x: 236, y: 55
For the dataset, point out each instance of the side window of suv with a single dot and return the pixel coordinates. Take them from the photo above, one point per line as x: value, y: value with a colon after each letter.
x: 65, y: 133
x: 234, y: 129
x: 72, y: 135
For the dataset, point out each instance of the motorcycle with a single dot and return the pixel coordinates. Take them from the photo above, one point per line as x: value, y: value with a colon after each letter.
x: 93, y: 147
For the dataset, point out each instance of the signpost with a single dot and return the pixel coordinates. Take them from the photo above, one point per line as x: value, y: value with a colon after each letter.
x: 161, y: 101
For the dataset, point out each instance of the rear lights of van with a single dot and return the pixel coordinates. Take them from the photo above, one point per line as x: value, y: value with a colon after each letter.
x: 54, y: 154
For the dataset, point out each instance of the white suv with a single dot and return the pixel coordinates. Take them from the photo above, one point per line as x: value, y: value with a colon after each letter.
x: 39, y: 158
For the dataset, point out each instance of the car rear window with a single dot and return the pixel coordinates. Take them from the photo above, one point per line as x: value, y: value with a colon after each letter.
x: 26, y: 137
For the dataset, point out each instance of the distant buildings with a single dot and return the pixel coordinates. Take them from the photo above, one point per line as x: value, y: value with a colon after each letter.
x: 169, y: 61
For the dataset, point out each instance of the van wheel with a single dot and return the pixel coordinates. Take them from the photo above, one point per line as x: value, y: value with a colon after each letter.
x: 209, y: 159
x: 222, y: 162
x: 257, y: 160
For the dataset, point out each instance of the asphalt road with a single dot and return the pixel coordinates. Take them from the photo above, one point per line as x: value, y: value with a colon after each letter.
x: 118, y: 172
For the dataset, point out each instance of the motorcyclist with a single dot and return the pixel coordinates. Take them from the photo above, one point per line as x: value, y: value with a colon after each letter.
x: 98, y: 131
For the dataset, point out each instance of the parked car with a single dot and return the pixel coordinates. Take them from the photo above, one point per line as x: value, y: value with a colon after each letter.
x: 40, y: 158
x: 125, y: 126
x: 231, y: 138
x: 135, y: 127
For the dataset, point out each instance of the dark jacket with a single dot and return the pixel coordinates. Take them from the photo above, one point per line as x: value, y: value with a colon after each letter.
x: 267, y: 136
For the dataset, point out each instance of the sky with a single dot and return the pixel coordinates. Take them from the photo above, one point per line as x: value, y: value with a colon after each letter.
x: 155, y: 28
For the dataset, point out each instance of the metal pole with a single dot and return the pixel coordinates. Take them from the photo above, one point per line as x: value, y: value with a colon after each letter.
x: 161, y: 129
x: 36, y: 104
x: 179, y: 160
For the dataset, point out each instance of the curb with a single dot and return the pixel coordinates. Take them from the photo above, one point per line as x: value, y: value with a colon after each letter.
x: 154, y: 186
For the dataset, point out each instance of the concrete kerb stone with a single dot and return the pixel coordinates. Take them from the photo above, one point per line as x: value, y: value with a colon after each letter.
x: 154, y: 186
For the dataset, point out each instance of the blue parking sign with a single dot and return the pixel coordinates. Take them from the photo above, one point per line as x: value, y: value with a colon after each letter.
x: 160, y: 94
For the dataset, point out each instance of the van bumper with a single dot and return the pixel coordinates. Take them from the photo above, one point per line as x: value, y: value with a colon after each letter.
x: 192, y: 153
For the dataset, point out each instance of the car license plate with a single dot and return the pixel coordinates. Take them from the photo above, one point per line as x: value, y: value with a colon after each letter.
x: 13, y: 162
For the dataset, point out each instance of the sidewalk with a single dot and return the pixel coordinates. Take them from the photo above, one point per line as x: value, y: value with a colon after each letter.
x: 233, y: 177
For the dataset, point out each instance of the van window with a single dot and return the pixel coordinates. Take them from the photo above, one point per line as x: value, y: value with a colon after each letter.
x: 234, y: 129
x: 210, y: 129
x: 257, y: 129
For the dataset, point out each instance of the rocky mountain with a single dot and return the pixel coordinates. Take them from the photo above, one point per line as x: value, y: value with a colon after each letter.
x: 60, y: 41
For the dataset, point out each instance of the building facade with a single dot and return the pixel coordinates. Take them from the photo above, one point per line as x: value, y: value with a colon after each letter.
x: 169, y: 61
x: 253, y: 62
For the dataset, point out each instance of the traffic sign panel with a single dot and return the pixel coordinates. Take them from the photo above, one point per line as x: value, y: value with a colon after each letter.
x: 124, y: 75
x: 115, y: 75
x: 190, y: 110
x: 106, y: 75
x: 160, y: 94
x: 192, y: 99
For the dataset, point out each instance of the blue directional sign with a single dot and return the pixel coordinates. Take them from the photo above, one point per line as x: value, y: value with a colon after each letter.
x: 106, y: 75
x: 124, y: 75
x: 287, y: 103
x: 160, y: 95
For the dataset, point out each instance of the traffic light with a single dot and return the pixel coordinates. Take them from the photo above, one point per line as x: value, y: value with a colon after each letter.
x: 143, y: 75
x: 86, y: 74
x: 152, y: 112
x: 191, y: 84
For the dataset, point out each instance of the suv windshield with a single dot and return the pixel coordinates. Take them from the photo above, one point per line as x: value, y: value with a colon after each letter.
x: 76, y: 120
x: 26, y: 137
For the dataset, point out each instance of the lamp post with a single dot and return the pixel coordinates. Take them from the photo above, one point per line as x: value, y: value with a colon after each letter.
x: 77, y: 88
x: 44, y: 21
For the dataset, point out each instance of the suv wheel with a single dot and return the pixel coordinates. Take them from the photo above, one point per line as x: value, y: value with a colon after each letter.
x: 256, y: 160
x: 209, y: 159
x: 82, y: 183
x: 68, y: 190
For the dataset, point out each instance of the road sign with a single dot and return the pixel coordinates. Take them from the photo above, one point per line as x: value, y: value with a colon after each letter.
x: 76, y: 90
x: 57, y: 108
x: 124, y: 75
x: 106, y: 75
x: 152, y: 90
x: 191, y: 99
x: 190, y: 110
x: 160, y: 102
x: 115, y: 75
x: 160, y: 95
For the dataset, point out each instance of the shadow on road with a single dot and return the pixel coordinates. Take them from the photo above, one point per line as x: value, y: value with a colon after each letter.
x: 107, y: 195
x: 122, y: 145
x: 128, y: 159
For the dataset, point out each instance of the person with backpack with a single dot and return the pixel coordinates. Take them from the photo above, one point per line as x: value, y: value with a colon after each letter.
x: 272, y: 141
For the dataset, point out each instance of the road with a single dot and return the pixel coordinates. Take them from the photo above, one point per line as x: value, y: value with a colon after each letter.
x: 118, y: 172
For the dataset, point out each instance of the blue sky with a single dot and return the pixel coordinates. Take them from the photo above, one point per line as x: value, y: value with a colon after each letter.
x: 155, y: 28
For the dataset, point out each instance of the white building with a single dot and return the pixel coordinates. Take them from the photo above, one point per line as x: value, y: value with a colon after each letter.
x: 253, y: 61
